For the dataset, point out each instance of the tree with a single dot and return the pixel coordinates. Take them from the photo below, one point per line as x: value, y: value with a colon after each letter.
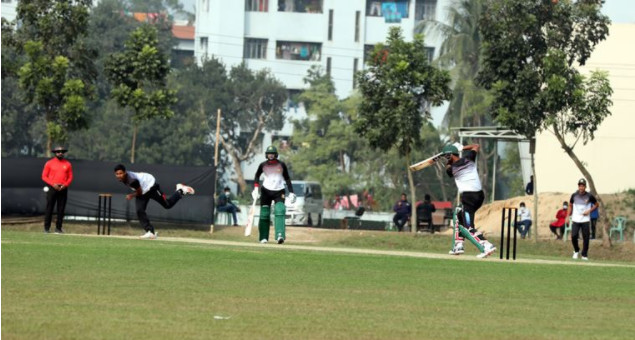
x: 531, y: 50
x: 22, y: 127
x: 256, y: 104
x: 58, y: 71
x: 397, y: 88
x: 460, y: 52
x: 325, y: 145
x: 139, y: 76
x: 107, y: 138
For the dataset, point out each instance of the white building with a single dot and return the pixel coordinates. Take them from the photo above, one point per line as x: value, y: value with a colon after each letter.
x: 9, y: 9
x: 288, y: 37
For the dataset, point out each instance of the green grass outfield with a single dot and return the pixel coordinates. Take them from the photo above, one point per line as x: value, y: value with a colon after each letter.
x: 87, y: 287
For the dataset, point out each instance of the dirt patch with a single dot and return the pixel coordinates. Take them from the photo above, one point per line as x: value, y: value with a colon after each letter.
x: 488, y: 217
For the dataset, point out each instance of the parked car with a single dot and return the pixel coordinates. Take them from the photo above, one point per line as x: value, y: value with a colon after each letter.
x: 309, y: 205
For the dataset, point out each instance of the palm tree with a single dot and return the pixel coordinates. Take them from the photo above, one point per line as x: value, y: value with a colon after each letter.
x: 460, y: 52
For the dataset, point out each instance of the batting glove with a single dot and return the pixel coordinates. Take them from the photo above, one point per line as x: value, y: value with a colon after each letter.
x: 459, y: 146
x: 255, y: 194
x: 292, y: 198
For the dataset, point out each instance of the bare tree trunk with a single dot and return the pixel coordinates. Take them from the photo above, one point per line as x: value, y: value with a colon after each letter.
x: 535, y: 193
x: 134, y: 142
x: 604, y: 220
x: 341, y: 160
x: 413, y: 197
x: 240, y: 178
x: 440, y: 172
x: 48, y: 144
x: 237, y: 159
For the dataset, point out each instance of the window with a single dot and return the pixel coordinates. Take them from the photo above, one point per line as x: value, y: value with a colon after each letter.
x: 392, y: 10
x: 425, y: 9
x: 355, y: 62
x: 330, y: 33
x: 368, y: 50
x: 257, y: 5
x: 328, y: 65
x: 300, y: 6
x: 203, y: 44
x: 357, y: 18
x: 255, y: 49
x: 292, y: 50
x: 430, y: 53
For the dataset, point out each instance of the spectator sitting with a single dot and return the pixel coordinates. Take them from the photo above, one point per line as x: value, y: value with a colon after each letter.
x: 424, y: 212
x: 224, y: 204
x: 402, y: 212
x: 557, y: 227
x: 529, y: 189
x: 525, y: 220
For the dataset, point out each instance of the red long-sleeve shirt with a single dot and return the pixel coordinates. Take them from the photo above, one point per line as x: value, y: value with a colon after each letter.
x: 57, y: 171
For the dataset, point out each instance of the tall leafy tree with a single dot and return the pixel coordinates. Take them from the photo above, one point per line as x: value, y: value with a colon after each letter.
x: 397, y: 88
x: 107, y: 138
x: 531, y: 53
x: 325, y: 143
x: 58, y: 71
x: 139, y: 76
x: 23, y: 130
x: 256, y: 104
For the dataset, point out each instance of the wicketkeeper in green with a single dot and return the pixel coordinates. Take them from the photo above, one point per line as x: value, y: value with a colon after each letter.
x: 276, y: 176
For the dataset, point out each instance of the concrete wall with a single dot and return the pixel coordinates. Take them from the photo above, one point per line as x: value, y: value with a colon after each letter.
x: 609, y: 157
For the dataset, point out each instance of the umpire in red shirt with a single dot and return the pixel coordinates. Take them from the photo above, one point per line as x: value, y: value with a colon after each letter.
x: 58, y: 175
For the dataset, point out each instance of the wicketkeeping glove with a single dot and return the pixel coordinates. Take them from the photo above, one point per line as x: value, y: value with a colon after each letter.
x: 292, y: 198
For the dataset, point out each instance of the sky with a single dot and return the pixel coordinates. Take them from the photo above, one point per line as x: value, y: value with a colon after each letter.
x: 620, y: 11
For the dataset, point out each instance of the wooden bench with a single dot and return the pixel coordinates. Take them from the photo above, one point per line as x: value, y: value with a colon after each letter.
x: 438, y: 220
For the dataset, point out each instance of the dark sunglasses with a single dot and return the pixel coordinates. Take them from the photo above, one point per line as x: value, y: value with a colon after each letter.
x: 59, y: 151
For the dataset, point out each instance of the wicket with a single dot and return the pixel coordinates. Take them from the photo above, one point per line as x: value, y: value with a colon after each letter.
x: 104, y: 213
x: 507, y: 212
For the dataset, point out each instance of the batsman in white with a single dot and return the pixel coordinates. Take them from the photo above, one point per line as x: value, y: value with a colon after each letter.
x: 465, y: 174
x: 276, y: 176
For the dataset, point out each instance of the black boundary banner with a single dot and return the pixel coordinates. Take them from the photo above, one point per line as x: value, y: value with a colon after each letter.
x: 22, y: 192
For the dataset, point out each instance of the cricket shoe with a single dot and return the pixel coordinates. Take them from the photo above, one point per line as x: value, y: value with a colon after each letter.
x: 148, y: 236
x: 184, y: 189
x: 575, y: 255
x: 263, y: 241
x: 280, y: 240
x: 584, y: 258
x: 488, y: 249
x: 59, y: 231
x: 458, y: 249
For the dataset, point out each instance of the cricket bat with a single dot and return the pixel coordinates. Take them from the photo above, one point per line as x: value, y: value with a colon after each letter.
x: 425, y: 163
x: 250, y: 218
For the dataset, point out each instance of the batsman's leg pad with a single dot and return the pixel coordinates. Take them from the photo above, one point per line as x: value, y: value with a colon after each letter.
x: 264, y: 223
x: 477, y: 235
x: 279, y: 211
x: 469, y: 236
x: 455, y: 227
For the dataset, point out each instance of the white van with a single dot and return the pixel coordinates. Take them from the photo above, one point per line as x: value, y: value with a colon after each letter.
x: 309, y: 205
